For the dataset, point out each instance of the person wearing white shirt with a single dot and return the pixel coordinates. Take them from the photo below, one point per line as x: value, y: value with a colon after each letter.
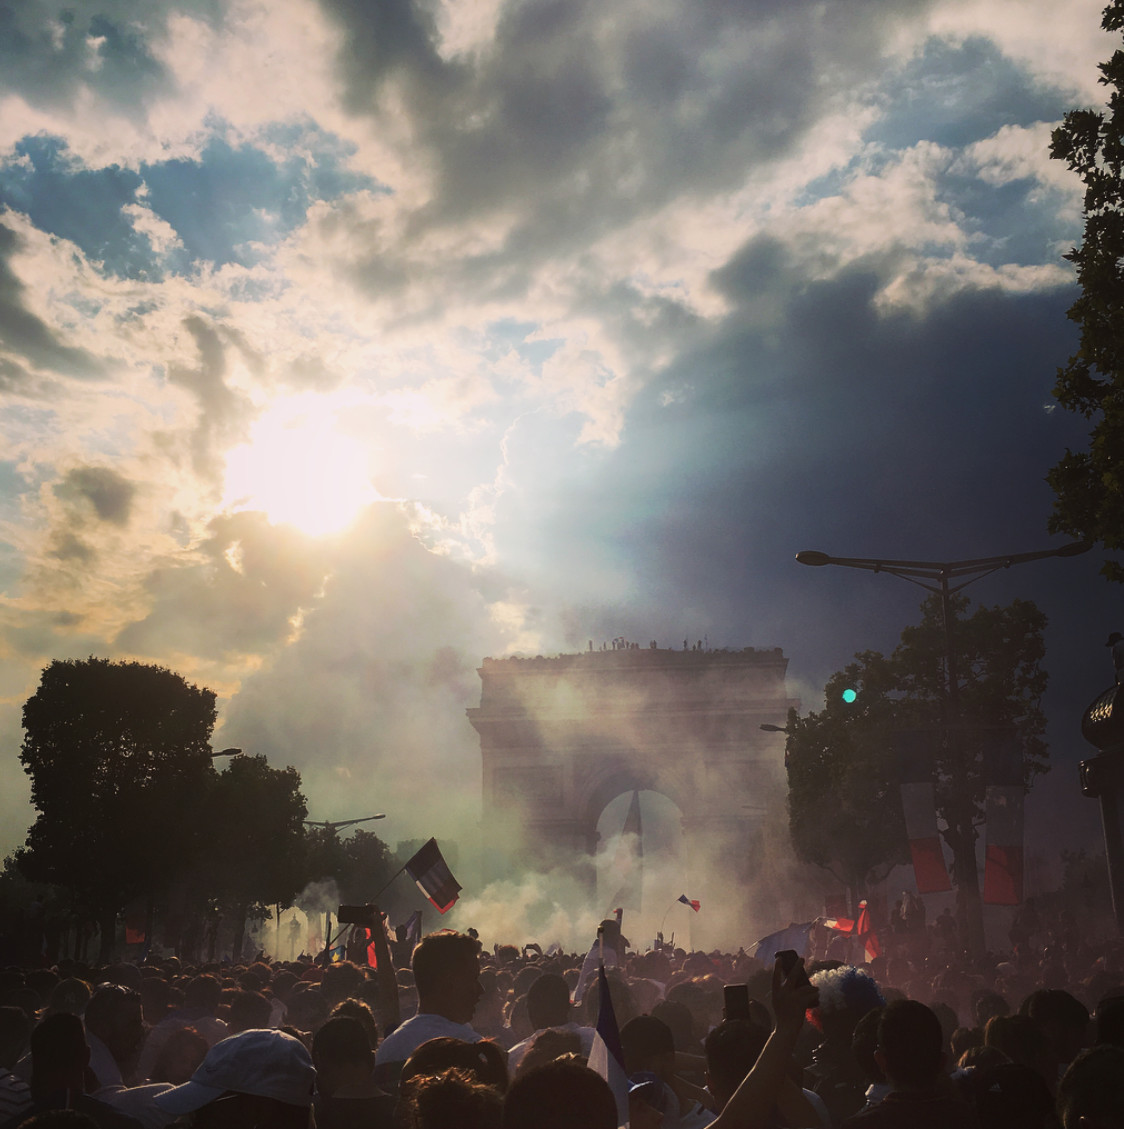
x: 548, y: 1006
x: 447, y: 977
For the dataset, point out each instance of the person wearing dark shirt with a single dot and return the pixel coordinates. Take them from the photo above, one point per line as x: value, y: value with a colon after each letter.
x: 60, y: 1059
x: 911, y: 1053
x: 346, y: 1094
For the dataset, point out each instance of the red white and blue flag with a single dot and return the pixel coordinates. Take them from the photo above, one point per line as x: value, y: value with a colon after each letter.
x: 433, y: 876
x: 696, y: 906
x: 860, y: 927
x: 606, y: 1057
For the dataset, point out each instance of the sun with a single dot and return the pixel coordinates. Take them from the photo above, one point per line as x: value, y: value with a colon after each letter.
x: 300, y: 467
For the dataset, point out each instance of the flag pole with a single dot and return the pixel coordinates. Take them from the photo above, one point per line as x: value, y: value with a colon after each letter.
x: 666, y: 912
x: 393, y: 877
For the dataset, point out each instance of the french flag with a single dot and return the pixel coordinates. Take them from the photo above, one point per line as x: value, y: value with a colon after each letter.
x: 696, y: 906
x: 860, y: 927
x: 433, y: 876
x: 606, y: 1057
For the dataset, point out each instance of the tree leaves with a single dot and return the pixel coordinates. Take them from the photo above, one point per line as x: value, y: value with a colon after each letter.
x: 115, y: 752
x: 1089, y: 485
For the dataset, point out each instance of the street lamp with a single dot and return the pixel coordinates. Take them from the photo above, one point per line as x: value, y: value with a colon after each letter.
x: 1102, y: 778
x: 227, y: 753
x: 337, y: 824
x: 917, y: 572
x: 936, y: 577
x: 778, y: 729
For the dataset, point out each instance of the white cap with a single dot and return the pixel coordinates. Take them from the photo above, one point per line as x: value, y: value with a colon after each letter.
x: 268, y: 1064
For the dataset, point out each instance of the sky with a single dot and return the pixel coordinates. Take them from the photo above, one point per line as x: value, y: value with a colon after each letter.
x: 346, y: 342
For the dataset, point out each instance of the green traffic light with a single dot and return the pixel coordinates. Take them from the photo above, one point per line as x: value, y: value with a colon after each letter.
x: 849, y: 695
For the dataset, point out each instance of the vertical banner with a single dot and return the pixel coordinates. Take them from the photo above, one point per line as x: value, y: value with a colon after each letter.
x: 916, y: 750
x: 1003, y: 869
x: 135, y: 921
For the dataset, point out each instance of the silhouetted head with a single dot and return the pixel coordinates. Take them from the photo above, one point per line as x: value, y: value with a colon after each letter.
x: 564, y: 1094
x: 1091, y: 1092
x: 484, y: 1060
x: 548, y: 1002
x: 447, y: 974
x: 910, y: 1045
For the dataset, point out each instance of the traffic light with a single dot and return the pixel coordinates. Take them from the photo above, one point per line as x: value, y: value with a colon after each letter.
x: 849, y: 695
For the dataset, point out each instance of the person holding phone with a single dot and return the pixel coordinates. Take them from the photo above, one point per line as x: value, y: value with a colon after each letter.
x: 752, y: 1104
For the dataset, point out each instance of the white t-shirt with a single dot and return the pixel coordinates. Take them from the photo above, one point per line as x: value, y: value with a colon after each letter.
x: 404, y: 1040
x: 515, y: 1055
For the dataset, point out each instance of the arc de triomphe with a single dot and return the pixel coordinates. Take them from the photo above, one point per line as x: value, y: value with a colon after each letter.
x: 560, y: 737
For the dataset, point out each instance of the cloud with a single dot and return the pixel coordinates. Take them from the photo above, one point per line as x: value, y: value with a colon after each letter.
x: 1059, y: 45
x: 24, y: 332
x: 377, y: 678
x: 624, y: 305
x: 239, y: 594
x: 108, y: 492
x: 223, y: 412
x: 51, y: 52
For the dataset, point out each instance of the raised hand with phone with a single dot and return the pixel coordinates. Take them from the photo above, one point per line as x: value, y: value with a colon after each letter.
x: 753, y: 1102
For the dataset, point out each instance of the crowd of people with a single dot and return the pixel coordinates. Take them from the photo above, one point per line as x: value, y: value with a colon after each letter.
x: 463, y: 1037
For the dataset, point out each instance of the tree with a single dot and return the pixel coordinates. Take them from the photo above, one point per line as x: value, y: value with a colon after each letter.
x: 368, y: 866
x: 1089, y: 485
x: 844, y: 811
x: 256, y: 851
x: 844, y: 815
x: 117, y: 754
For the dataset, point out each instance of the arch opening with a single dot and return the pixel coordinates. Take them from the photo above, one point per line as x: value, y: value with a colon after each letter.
x: 643, y: 872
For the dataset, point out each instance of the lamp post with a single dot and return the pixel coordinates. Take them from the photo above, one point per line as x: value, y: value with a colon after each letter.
x: 1102, y: 778
x: 226, y: 753
x: 337, y: 824
x: 938, y: 577
x: 767, y: 728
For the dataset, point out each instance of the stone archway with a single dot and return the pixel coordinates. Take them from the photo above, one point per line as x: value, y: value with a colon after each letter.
x: 561, y: 736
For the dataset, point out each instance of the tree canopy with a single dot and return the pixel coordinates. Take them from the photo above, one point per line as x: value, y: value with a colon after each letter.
x: 844, y: 807
x: 130, y: 808
x: 255, y: 852
x: 360, y: 865
x: 1089, y: 485
x: 116, y: 752
x: 844, y: 813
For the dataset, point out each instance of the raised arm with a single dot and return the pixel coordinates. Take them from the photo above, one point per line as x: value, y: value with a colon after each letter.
x: 753, y: 1101
x: 389, y: 1013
